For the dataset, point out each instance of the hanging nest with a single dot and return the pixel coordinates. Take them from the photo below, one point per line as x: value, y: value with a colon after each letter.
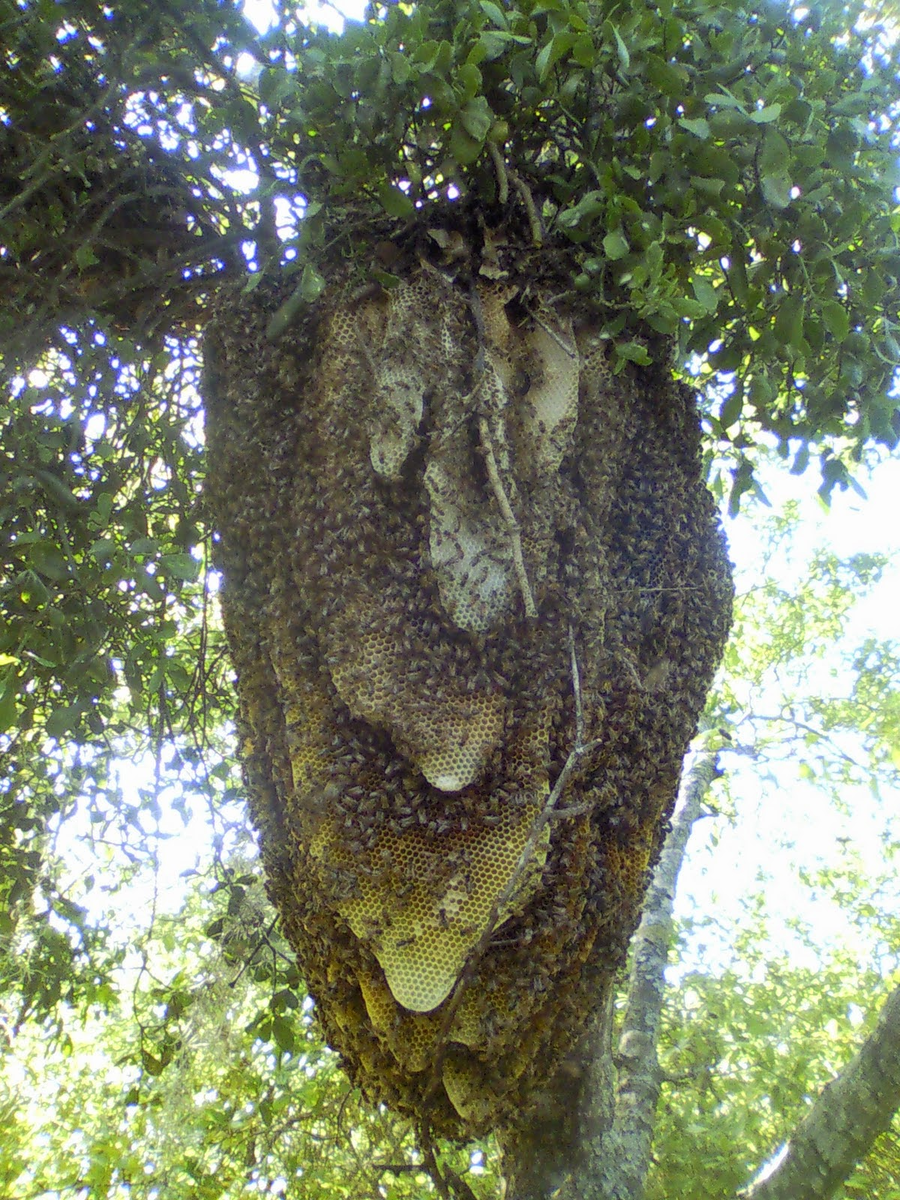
x: 447, y: 525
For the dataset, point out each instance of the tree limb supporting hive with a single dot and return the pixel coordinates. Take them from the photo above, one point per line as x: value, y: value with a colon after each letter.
x: 419, y: 522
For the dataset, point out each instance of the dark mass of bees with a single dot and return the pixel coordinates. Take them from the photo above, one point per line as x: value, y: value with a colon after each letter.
x: 428, y: 494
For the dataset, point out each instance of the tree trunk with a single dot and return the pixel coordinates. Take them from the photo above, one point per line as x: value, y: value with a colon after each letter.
x: 599, y: 1146
x: 475, y: 591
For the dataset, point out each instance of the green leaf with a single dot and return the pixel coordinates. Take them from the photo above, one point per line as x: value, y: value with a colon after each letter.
x: 103, y: 549
x: 385, y: 278
x: 763, y: 116
x: 775, y: 156
x: 476, y: 118
x: 698, y: 126
x: 9, y: 713
x: 789, y: 321
x: 724, y: 99
x: 776, y: 190
x: 742, y: 481
x: 49, y: 561
x: 85, y: 256
x: 463, y: 147
x: 584, y: 51
x: 62, y: 720
x: 622, y: 49
x: 542, y: 63
x: 152, y: 1065
x: 468, y: 82
x: 836, y: 319
x: 395, y: 202
x: 494, y: 13
x: 181, y: 566
x: 615, y: 245
x: 706, y: 294
x: 774, y: 164
x: 731, y: 408
x: 312, y: 284
x: 801, y: 460
x: 591, y: 205
x: 283, y: 1034
x: 634, y: 352
x: 494, y: 42
x: 553, y: 51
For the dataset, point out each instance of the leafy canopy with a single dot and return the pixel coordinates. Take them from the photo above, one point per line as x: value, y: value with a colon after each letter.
x: 724, y: 173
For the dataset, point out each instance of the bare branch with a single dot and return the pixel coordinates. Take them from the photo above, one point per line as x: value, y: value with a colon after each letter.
x: 502, y: 177
x: 515, y: 534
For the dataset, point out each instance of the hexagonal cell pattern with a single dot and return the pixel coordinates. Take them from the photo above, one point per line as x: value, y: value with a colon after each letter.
x: 426, y: 496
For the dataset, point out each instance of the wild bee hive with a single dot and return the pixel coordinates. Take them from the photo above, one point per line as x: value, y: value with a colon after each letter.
x: 428, y: 495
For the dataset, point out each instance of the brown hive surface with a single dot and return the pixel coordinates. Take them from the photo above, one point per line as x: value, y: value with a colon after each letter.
x: 423, y: 498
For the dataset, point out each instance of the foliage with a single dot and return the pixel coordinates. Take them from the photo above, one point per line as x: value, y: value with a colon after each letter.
x: 744, y: 1052
x: 658, y: 146
x: 799, y: 685
x: 775, y: 990
x: 722, y: 174
x: 726, y: 175
x: 207, y: 1079
x: 108, y: 644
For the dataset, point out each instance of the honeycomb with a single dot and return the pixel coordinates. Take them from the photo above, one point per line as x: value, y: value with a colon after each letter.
x: 424, y: 495
x: 449, y: 747
x: 422, y: 941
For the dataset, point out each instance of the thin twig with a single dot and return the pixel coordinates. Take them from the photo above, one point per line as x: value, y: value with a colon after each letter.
x: 534, y: 220
x: 490, y: 462
x: 566, y: 347
x: 502, y: 176
x: 426, y: 1144
x: 574, y: 810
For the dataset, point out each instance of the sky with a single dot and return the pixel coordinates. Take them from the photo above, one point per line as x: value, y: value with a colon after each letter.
x: 782, y: 822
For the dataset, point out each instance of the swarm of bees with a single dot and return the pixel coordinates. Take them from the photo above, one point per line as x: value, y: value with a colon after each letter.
x: 434, y: 499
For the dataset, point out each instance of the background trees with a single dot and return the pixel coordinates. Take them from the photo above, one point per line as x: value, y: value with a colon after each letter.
x: 124, y: 135
x: 193, y: 1067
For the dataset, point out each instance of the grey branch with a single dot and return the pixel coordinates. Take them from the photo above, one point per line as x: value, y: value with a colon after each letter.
x: 840, y: 1128
x: 515, y: 534
x: 616, y: 1168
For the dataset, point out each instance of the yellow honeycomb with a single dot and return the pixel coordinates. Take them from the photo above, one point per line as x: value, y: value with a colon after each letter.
x: 450, y: 746
x: 421, y: 933
x: 550, y: 417
x: 391, y: 482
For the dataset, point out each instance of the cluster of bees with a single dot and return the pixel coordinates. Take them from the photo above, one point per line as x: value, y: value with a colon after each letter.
x: 427, y: 496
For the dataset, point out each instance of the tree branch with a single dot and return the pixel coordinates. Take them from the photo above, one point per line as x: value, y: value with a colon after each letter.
x: 615, y: 1169
x: 638, y: 1064
x: 840, y: 1128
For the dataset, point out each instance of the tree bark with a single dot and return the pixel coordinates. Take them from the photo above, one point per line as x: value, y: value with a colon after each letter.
x: 619, y: 1171
x: 842, y: 1125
